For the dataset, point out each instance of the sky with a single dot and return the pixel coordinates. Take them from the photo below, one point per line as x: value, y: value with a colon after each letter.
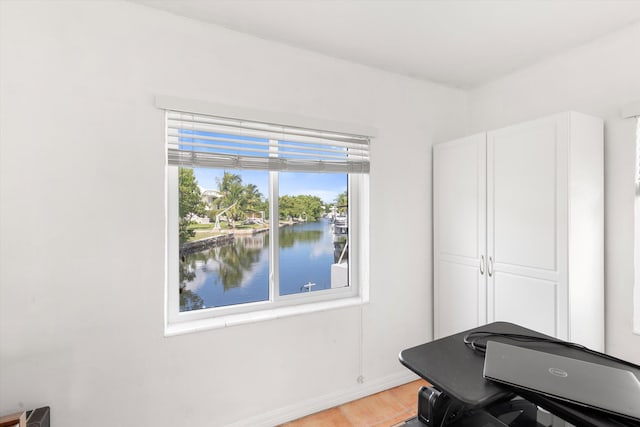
x: 327, y: 186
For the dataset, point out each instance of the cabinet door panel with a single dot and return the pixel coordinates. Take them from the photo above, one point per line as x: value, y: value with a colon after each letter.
x: 459, y: 197
x: 523, y: 195
x: 460, y: 299
x: 529, y: 302
x: 526, y: 301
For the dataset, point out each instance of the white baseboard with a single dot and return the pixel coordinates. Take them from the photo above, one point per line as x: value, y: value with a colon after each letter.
x: 310, y: 406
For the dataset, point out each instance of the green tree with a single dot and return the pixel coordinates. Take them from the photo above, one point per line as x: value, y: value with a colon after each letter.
x: 190, y: 203
x: 241, y: 199
x: 252, y: 199
x: 286, y: 206
x: 343, y: 202
x: 312, y: 207
x: 263, y: 206
x: 302, y: 206
x: 230, y: 186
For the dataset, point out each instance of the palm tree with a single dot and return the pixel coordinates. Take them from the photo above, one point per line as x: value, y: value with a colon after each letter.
x: 252, y: 200
x: 253, y: 196
x: 343, y: 202
x: 230, y: 186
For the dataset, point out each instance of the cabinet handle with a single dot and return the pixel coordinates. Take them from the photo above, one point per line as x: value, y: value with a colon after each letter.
x: 490, y: 267
x: 482, y: 265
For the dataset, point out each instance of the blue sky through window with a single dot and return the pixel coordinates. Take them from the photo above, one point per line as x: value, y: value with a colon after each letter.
x: 327, y: 186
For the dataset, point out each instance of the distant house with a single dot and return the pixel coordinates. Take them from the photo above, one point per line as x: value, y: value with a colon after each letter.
x: 209, y: 197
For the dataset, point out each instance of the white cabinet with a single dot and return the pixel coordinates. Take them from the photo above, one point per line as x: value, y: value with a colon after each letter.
x: 518, y: 229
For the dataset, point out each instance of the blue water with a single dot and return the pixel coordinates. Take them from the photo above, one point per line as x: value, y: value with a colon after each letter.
x: 239, y: 273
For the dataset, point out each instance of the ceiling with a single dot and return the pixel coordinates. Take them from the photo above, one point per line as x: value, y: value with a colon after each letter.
x: 459, y: 43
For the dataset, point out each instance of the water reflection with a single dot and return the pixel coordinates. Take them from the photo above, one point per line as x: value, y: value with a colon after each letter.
x: 190, y: 300
x: 229, y: 262
x: 238, y: 272
x: 289, y: 236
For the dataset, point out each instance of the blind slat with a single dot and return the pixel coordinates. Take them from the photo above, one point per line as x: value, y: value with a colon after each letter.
x: 197, y: 129
x: 215, y: 160
x: 215, y: 142
x: 264, y: 127
x: 246, y: 150
x: 176, y: 138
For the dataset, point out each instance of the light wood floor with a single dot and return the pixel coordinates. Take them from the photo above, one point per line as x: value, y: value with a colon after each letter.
x: 382, y: 409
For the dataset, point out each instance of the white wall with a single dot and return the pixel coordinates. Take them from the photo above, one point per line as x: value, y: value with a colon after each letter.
x: 598, y: 78
x: 82, y: 221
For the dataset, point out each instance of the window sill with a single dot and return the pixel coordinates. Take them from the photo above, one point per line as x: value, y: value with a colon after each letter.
x: 258, y: 316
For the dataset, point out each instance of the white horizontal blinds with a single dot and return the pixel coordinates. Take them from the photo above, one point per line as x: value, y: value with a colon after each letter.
x: 195, y: 140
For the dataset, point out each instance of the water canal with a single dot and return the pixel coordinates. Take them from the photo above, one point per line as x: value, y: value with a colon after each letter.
x: 239, y: 272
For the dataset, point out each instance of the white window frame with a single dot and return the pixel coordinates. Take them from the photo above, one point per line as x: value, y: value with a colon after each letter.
x: 276, y: 306
x: 636, y: 243
x: 632, y: 111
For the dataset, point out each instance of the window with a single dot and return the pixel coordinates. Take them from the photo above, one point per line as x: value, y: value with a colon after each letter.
x: 261, y: 218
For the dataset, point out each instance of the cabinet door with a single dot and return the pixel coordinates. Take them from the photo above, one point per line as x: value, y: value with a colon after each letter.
x: 526, y: 224
x: 459, y: 221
